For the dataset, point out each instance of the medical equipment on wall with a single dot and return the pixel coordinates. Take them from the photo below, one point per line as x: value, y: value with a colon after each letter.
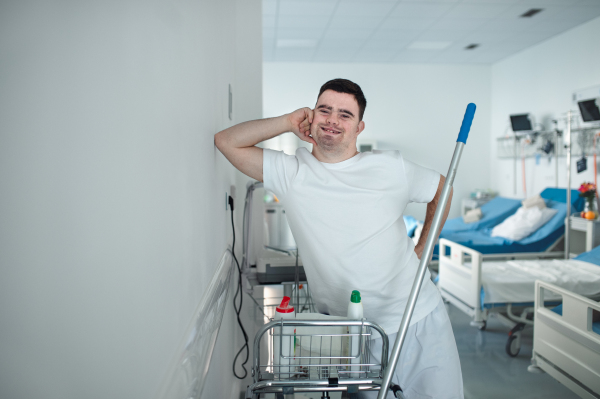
x: 269, y: 254
x: 428, y: 250
x: 588, y: 102
x: 521, y: 122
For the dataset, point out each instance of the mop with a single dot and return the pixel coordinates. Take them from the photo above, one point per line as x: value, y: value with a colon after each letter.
x: 429, y: 245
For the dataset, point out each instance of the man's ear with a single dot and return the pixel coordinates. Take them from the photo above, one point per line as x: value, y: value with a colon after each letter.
x: 361, y: 127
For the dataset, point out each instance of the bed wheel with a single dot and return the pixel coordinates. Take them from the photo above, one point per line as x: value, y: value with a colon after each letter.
x: 483, y: 326
x: 513, y: 346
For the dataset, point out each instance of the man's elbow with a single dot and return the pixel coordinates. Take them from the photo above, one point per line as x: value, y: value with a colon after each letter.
x: 219, y: 141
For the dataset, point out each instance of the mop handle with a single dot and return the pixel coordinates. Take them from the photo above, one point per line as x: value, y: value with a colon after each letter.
x: 429, y: 245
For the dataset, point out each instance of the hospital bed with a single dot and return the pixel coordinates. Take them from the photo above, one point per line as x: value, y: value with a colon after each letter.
x: 566, y: 340
x: 506, y: 288
x: 477, y: 235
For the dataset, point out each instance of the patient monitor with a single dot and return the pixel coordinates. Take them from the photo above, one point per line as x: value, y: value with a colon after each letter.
x: 588, y: 103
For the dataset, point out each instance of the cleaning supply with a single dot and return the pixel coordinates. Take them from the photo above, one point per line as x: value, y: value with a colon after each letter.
x: 283, y: 340
x: 355, y: 312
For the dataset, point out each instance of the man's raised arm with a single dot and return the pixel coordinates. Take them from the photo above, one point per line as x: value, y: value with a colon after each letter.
x: 238, y: 142
x: 431, y: 207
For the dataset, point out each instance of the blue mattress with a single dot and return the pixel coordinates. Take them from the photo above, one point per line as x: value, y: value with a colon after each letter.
x: 592, y: 256
x: 495, y: 211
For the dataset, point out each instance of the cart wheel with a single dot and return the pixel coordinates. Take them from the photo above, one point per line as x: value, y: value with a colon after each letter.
x: 512, y: 347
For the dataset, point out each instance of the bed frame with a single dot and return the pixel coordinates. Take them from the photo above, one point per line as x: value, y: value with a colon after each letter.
x: 460, y: 285
x: 565, y: 346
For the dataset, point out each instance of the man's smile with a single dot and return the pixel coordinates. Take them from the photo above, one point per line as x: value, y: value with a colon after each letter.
x: 330, y: 130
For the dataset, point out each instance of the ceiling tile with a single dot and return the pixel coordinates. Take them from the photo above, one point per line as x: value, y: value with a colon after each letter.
x: 288, y: 54
x: 297, y: 33
x: 307, y: 7
x: 391, y: 45
x: 289, y: 21
x: 375, y: 55
x: 487, y: 38
x: 407, y: 23
x: 332, y: 56
x: 363, y: 8
x: 420, y: 10
x: 396, y: 34
x: 491, y: 1
x: 446, y: 35
x: 420, y: 56
x: 488, y: 57
x: 341, y: 35
x: 477, y: 10
x: 269, y: 7
x: 451, y: 57
x: 351, y: 22
x: 268, y: 33
x: 269, y: 21
x: 553, y: 26
x: 506, y: 25
x: 548, y: 11
x: 459, y: 24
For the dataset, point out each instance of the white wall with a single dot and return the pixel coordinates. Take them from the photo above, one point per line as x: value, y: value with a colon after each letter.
x: 414, y: 108
x: 112, y: 208
x: 541, y: 81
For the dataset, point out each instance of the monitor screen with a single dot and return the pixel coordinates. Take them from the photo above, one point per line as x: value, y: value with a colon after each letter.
x: 520, y: 122
x: 589, y: 110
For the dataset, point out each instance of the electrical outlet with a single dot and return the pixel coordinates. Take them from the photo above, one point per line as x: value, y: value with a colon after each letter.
x: 232, y: 191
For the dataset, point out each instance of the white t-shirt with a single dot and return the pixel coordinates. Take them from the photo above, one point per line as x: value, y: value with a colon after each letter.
x: 347, y: 221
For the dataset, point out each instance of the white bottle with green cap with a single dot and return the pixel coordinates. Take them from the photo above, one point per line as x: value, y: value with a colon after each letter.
x: 355, y: 312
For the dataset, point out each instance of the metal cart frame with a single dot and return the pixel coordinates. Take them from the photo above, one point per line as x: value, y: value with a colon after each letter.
x: 320, y: 372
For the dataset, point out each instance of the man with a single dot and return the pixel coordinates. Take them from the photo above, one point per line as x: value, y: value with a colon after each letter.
x: 345, y: 211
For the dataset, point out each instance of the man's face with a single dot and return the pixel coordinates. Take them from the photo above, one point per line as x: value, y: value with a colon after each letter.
x: 335, y: 124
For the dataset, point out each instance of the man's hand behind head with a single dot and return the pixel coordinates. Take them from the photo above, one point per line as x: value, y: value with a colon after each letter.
x: 300, y: 121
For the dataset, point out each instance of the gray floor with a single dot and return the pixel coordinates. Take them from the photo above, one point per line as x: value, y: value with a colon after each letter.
x: 488, y: 372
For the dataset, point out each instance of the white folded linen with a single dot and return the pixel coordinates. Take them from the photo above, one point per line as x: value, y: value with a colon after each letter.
x: 523, y: 223
x: 474, y: 215
x: 536, y: 200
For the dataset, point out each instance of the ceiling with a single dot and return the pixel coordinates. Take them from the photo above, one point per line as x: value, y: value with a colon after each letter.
x: 418, y: 31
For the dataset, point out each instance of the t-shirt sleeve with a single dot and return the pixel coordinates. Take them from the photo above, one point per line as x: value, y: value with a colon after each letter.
x: 422, y: 182
x: 279, y: 169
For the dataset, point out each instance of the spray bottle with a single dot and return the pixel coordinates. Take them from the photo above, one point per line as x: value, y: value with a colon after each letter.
x: 355, y: 312
x: 283, y: 344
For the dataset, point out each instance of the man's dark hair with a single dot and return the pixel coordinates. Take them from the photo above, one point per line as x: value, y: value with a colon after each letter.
x: 346, y: 86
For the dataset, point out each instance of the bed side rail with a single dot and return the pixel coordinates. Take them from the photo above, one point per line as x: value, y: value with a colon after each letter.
x: 458, y: 278
x: 567, y: 341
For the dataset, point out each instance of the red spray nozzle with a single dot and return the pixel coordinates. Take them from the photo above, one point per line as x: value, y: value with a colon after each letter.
x: 285, y: 307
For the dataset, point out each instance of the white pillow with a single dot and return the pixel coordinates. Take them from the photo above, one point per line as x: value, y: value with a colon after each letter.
x: 523, y: 223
